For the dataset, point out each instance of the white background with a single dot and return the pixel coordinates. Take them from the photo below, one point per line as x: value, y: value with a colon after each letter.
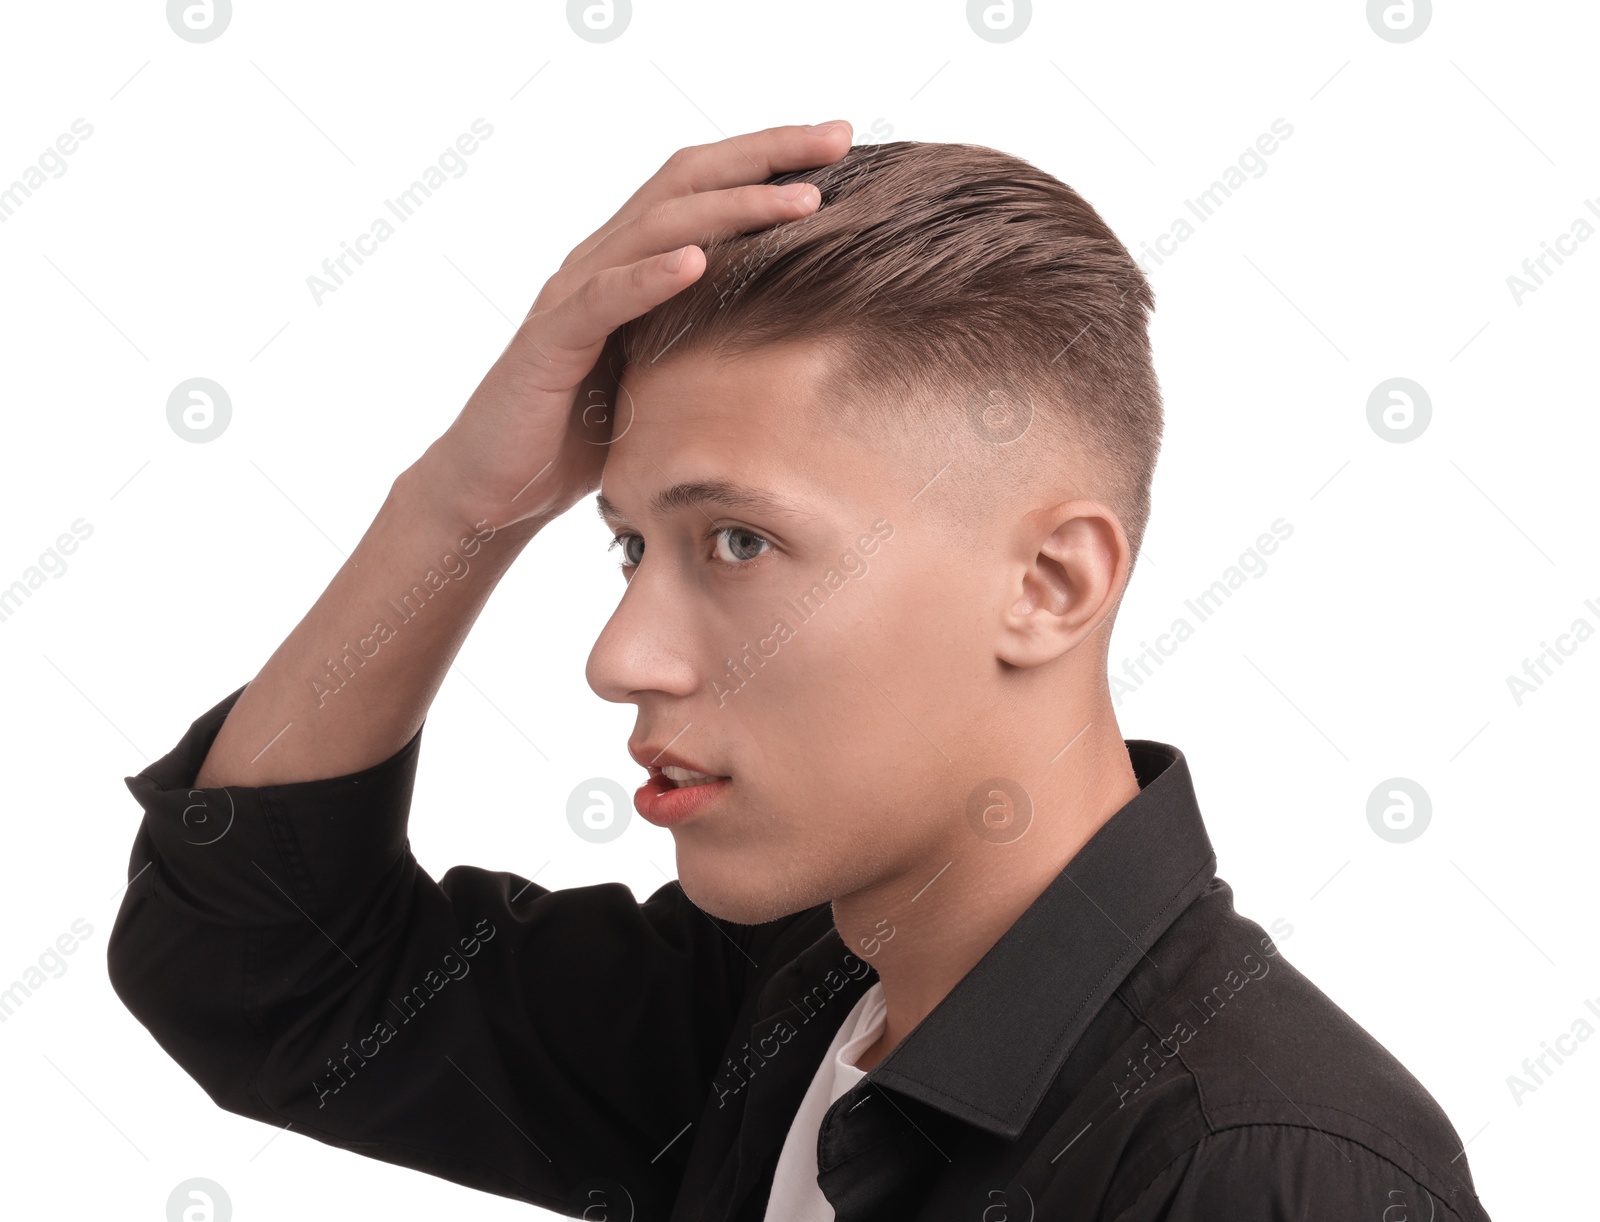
x: 1376, y: 244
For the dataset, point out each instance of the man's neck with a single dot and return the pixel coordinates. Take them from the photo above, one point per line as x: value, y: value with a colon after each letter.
x: 927, y: 926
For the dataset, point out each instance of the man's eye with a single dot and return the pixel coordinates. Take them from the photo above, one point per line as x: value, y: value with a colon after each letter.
x: 743, y: 545
x: 632, y: 549
x: 734, y: 547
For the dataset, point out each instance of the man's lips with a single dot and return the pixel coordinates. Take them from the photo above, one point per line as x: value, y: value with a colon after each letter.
x: 662, y: 800
x: 666, y: 804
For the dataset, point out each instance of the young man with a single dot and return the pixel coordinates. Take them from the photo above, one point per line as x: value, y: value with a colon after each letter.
x: 943, y: 945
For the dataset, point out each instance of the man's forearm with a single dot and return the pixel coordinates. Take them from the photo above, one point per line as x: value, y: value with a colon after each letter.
x: 353, y: 682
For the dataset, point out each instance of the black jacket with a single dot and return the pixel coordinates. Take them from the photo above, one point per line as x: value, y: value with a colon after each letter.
x: 1130, y: 1049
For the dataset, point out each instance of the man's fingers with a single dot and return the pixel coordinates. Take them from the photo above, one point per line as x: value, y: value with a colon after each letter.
x: 560, y: 344
x: 736, y: 161
x: 626, y: 267
x: 748, y: 159
x: 697, y: 219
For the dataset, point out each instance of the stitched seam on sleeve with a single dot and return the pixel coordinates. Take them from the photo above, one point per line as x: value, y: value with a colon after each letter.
x: 1421, y: 1162
x: 297, y: 880
x: 1450, y: 1215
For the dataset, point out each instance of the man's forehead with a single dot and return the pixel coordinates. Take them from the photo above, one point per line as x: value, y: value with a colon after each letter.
x: 745, y: 431
x: 699, y: 384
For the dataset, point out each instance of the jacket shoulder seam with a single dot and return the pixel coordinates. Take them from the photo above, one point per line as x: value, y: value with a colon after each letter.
x: 1212, y: 1133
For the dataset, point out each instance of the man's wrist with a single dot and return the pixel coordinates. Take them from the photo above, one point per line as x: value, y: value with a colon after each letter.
x: 425, y: 492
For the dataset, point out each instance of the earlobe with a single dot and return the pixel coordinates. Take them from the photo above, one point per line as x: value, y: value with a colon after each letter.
x: 1075, y: 561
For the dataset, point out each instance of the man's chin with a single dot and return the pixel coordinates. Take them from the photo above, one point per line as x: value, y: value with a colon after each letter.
x: 745, y: 897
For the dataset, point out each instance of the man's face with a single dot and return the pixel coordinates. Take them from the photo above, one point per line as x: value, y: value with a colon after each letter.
x: 860, y: 627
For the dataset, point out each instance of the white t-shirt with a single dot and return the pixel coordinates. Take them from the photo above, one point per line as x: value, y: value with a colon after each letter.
x: 795, y: 1195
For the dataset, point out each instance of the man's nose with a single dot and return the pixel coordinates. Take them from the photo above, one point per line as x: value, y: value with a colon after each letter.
x: 641, y: 649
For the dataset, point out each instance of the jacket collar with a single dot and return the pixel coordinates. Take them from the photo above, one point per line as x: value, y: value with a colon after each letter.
x: 992, y: 1047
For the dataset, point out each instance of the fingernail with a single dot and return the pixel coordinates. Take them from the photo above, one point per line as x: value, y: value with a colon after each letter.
x: 793, y: 190
x: 822, y: 127
x: 675, y: 260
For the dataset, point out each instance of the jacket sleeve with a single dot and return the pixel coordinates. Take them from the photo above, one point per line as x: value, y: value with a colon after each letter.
x: 282, y: 944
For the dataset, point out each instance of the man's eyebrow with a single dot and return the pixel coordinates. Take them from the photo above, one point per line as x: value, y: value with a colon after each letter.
x: 707, y: 492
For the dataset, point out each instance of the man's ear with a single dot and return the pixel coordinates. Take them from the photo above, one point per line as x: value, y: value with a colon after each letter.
x: 1068, y: 567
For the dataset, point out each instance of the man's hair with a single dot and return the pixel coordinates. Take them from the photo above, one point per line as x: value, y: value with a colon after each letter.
x: 968, y: 294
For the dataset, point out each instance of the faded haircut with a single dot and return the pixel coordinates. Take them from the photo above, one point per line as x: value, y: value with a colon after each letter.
x: 966, y: 295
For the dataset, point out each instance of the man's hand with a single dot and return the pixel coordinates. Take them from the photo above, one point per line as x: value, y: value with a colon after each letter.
x: 354, y: 680
x: 513, y: 453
